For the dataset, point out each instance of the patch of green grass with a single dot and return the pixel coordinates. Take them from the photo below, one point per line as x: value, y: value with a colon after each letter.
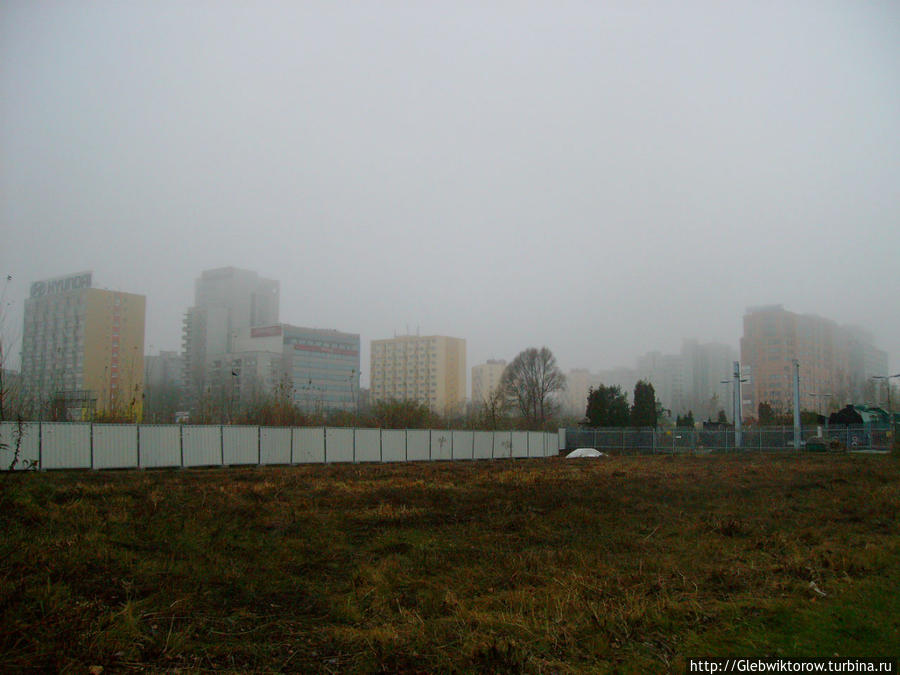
x: 630, y: 564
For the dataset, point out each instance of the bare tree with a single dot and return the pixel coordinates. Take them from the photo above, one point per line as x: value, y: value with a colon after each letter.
x: 529, y: 383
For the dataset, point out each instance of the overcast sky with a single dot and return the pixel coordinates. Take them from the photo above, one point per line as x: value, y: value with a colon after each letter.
x: 604, y: 178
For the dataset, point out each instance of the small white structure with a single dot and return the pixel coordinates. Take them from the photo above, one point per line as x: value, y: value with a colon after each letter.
x: 585, y: 452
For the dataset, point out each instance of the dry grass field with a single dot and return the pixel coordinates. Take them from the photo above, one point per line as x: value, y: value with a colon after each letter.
x: 629, y: 564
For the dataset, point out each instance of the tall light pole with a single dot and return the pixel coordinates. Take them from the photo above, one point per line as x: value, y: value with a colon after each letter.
x: 795, y: 372
x: 737, y: 403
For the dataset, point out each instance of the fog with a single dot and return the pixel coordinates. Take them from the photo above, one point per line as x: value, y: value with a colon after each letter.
x: 604, y: 180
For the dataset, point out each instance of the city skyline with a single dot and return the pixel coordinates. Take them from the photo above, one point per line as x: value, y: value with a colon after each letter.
x: 650, y: 365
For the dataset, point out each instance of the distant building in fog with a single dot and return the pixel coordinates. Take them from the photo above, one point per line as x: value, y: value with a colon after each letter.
x: 836, y: 362
x: 226, y: 300
x: 486, y: 378
x: 706, y: 365
x: 164, y: 370
x: 681, y: 382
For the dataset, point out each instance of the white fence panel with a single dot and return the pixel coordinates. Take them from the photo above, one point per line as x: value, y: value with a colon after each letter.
x: 338, y: 444
x: 115, y: 446
x: 535, y: 444
x: 275, y: 445
x: 160, y: 446
x: 519, y: 441
x: 201, y: 446
x: 550, y: 449
x: 393, y: 445
x: 417, y: 445
x: 483, y: 445
x: 441, y: 444
x: 240, y: 445
x: 462, y: 444
x: 29, y: 448
x: 502, y: 444
x: 308, y: 445
x: 65, y: 445
x: 368, y: 445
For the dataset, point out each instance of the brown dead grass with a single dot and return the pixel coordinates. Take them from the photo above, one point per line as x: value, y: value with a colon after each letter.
x: 626, y: 564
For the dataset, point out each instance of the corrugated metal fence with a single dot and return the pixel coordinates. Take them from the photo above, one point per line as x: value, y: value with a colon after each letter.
x: 68, y: 445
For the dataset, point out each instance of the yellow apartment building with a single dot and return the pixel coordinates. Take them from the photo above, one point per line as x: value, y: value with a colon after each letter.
x: 83, y: 349
x: 428, y: 369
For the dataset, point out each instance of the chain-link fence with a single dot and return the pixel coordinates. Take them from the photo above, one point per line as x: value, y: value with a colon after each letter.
x: 681, y: 440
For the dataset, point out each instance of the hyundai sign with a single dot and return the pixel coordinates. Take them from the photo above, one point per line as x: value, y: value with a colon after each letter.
x: 72, y: 282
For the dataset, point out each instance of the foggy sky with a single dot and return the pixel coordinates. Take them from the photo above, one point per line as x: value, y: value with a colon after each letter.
x: 601, y: 178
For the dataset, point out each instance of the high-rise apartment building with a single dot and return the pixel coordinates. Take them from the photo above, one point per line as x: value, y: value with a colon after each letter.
x: 428, y: 369
x: 835, y: 361
x: 486, y: 378
x: 83, y: 348
x: 226, y: 300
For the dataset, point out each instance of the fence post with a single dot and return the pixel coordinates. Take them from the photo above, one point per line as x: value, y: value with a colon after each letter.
x: 222, y: 444
x: 92, y: 445
x: 41, y: 445
x: 258, y: 446
x: 181, y: 443
x: 137, y: 431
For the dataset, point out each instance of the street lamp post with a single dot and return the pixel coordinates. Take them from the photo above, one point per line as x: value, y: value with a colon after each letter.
x: 887, y: 380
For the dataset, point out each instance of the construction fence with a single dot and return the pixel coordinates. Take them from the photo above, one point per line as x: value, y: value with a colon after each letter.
x: 649, y: 440
x: 72, y: 445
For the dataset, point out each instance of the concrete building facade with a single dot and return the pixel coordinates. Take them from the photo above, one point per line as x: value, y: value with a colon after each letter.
x: 83, y: 348
x: 430, y: 370
x: 486, y: 378
x: 319, y: 367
